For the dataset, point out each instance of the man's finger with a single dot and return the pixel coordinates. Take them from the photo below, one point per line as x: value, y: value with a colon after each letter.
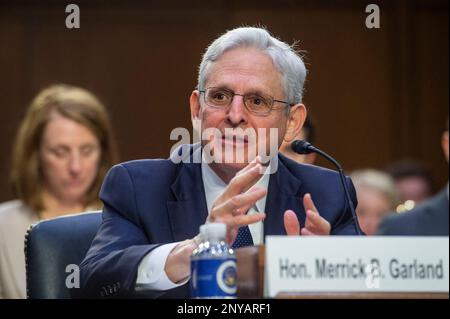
x: 245, y: 220
x: 231, y: 235
x: 250, y: 165
x: 291, y: 223
x: 235, y: 205
x: 317, y: 224
x: 242, y: 210
x: 306, y: 232
x: 239, y: 184
x: 245, y: 208
x: 308, y: 203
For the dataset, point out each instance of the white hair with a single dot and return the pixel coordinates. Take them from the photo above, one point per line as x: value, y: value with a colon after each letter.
x: 285, y: 58
x: 377, y: 180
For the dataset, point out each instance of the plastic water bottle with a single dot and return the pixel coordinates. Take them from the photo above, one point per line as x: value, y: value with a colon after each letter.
x: 213, y: 265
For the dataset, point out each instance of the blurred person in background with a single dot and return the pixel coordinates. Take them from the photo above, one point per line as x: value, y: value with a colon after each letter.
x: 307, y: 133
x: 377, y: 197
x: 62, y: 151
x: 429, y: 218
x: 413, y: 181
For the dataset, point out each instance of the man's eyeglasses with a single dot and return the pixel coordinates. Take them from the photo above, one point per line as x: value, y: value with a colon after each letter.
x: 257, y: 104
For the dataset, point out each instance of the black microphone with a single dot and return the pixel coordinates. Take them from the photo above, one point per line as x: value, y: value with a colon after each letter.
x: 304, y: 147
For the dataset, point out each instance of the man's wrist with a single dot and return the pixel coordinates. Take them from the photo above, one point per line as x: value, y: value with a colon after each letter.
x: 178, y: 263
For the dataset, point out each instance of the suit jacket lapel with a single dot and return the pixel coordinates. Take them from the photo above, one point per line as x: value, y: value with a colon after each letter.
x: 188, y: 211
x: 283, y: 194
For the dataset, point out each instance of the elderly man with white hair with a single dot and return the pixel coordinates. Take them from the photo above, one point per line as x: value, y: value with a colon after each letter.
x: 248, y: 82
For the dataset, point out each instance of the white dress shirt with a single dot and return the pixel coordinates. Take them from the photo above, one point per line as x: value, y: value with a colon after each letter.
x: 151, y: 274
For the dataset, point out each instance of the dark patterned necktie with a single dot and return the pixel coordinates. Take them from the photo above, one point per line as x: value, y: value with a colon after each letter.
x: 244, y: 237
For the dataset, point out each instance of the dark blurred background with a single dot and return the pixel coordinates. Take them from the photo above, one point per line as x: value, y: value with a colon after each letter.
x: 377, y: 95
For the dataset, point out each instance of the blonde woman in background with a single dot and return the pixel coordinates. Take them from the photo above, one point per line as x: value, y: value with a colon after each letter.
x: 377, y: 197
x: 62, y: 151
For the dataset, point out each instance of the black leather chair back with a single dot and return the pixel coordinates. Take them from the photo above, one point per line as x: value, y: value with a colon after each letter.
x: 53, y: 250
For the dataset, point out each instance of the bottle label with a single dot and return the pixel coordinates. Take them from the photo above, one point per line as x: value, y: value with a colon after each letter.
x: 213, y: 278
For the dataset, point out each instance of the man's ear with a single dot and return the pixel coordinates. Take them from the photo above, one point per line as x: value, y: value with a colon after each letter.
x: 296, y: 119
x: 195, y: 106
x: 194, y: 102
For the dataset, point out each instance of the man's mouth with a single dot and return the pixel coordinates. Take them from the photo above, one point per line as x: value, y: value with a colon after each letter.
x: 235, y: 139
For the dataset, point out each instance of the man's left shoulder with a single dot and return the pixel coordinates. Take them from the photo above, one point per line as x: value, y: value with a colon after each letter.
x: 307, y: 171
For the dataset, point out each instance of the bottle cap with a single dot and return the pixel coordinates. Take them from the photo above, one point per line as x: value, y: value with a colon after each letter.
x: 213, y: 231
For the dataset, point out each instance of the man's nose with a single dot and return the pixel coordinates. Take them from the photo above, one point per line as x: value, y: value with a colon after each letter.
x: 237, y: 113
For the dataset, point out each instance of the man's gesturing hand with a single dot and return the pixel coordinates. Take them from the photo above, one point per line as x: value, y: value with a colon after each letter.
x: 231, y: 207
x: 314, y: 224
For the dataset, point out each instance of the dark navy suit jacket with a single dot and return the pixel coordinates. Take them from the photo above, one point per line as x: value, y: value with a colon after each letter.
x: 152, y: 202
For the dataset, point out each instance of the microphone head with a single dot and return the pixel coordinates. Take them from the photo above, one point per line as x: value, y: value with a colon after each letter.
x: 301, y: 147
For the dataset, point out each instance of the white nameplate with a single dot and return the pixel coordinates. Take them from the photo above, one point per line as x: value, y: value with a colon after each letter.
x: 356, y: 264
